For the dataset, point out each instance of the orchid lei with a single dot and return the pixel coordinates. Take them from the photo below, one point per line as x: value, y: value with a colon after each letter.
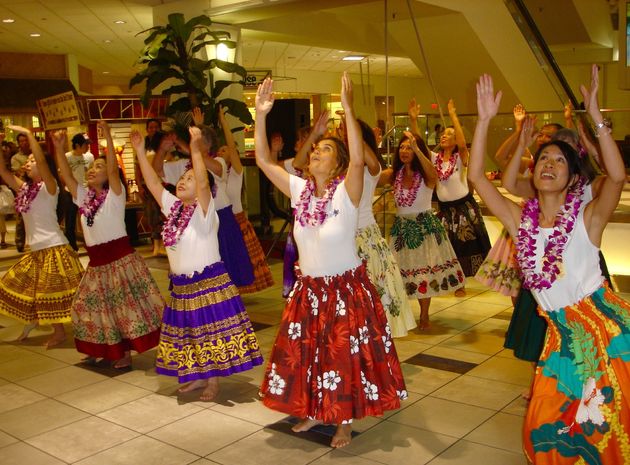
x: 177, y: 221
x: 92, y: 203
x: 552, y: 257
x: 445, y: 173
x: 318, y: 215
x: 406, y: 197
x: 25, y: 196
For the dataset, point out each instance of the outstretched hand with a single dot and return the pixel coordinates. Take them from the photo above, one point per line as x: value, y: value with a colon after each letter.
x: 487, y: 101
x: 347, y: 93
x: 451, y: 107
x: 264, y: 97
x: 59, y: 139
x: 412, y: 141
x: 590, y: 95
x: 519, y: 114
x: 414, y: 109
x: 20, y: 129
x: 195, y: 138
x: 137, y: 141
x: 197, y: 116
x: 321, y: 126
x: 529, y: 132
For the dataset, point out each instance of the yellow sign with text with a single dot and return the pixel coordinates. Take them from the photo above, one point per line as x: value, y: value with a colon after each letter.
x: 59, y: 111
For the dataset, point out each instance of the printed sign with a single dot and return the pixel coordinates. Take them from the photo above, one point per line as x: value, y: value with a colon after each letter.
x: 59, y: 111
x: 255, y: 77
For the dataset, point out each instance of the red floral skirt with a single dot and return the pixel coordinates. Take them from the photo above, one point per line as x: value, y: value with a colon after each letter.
x: 334, y: 359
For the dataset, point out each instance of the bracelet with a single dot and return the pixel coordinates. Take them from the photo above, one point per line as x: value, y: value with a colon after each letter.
x: 603, y: 124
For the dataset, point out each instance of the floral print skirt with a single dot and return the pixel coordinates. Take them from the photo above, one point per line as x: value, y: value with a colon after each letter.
x: 262, y: 273
x: 579, y: 411
x: 385, y: 275
x: 118, y: 307
x: 428, y: 264
x: 500, y: 270
x: 467, y: 232
x: 334, y: 359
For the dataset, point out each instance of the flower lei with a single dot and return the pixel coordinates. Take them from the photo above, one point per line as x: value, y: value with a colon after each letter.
x: 318, y: 215
x: 444, y: 174
x: 25, y: 196
x: 91, y: 204
x: 406, y: 197
x: 177, y: 221
x: 552, y: 257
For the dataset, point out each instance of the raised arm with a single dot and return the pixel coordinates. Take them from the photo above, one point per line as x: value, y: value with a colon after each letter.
x: 151, y: 179
x: 59, y: 139
x: 112, y: 164
x: 487, y: 106
x: 460, y: 139
x: 8, y: 177
x: 503, y: 155
x: 430, y: 173
x: 354, y: 177
x: 276, y: 174
x: 511, y: 178
x: 235, y: 159
x: 321, y: 126
x: 166, y: 145
x: 40, y: 158
x: 568, y: 116
x: 600, y: 209
x: 413, y: 112
x: 204, y: 193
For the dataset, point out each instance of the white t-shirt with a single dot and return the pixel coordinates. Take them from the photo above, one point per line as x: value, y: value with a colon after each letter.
x: 328, y: 249
x: 289, y: 168
x: 79, y: 165
x: 40, y: 221
x: 173, y: 170
x: 234, y: 187
x: 198, y: 246
x: 221, y: 199
x: 456, y: 186
x: 109, y: 221
x: 421, y: 203
x: 366, y: 213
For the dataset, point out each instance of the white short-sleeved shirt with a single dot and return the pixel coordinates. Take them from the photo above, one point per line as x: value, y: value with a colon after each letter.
x: 234, y: 187
x: 79, y: 165
x: 366, y: 213
x: 421, y: 203
x: 109, y: 221
x: 221, y: 199
x: 198, y: 246
x: 456, y: 186
x: 173, y: 170
x: 40, y: 221
x: 328, y: 249
x: 289, y: 168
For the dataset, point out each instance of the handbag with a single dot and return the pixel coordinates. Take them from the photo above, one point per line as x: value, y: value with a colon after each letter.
x: 7, y: 201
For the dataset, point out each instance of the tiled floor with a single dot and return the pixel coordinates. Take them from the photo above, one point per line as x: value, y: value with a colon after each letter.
x: 464, y: 405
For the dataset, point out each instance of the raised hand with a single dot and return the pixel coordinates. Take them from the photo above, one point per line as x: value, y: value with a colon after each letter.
x: 197, y: 116
x: 568, y: 111
x: 264, y: 97
x: 321, y: 126
x: 221, y: 113
x: 451, y: 107
x: 196, y: 139
x: 59, y: 139
x: 347, y: 94
x: 519, y: 115
x: 168, y: 142
x: 529, y: 132
x: 102, y: 124
x: 487, y: 101
x: 20, y: 129
x: 414, y: 109
x: 137, y: 141
x: 412, y: 141
x: 590, y: 95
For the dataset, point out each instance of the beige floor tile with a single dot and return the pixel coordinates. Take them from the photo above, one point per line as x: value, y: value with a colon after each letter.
x: 513, y: 371
x: 423, y: 380
x: 393, y: 443
x: 13, y: 396
x: 407, y: 349
x: 476, y: 340
x: 191, y: 433
x: 10, y: 352
x: 6, y: 439
x: 102, y: 396
x: 23, y: 454
x: 435, y: 335
x: 29, y: 366
x: 517, y: 407
x: 338, y: 457
x: 63, y: 354
x: 429, y: 413
x: 456, y: 354
x: 366, y: 423
x: 480, y: 392
x: 141, y: 450
x: 38, y: 417
x: 468, y: 453
x: 63, y: 380
x: 267, y: 447
x: 156, y: 411
x: 474, y: 307
x: 502, y: 431
x: 148, y: 379
x: 203, y: 462
x: 92, y: 435
x: 493, y: 298
x: 249, y: 408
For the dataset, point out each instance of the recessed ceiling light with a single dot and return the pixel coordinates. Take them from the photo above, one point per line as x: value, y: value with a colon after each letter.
x: 120, y: 21
x: 107, y: 41
x: 353, y: 58
x: 105, y: 72
x: 35, y: 34
x: 8, y: 20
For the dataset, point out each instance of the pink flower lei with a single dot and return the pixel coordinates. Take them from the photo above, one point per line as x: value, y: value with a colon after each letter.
x: 25, y: 196
x: 445, y: 172
x: 552, y: 257
x: 91, y: 204
x: 177, y: 221
x: 406, y: 197
x: 318, y: 215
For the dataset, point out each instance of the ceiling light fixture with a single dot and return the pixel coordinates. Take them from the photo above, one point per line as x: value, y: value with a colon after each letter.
x: 353, y: 58
x: 107, y: 41
x: 8, y: 20
x: 105, y: 72
x: 35, y: 34
x: 120, y: 21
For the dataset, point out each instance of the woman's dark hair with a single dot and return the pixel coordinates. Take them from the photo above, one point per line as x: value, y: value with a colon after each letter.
x: 415, y: 163
x: 370, y: 139
x: 574, y: 163
x: 121, y: 175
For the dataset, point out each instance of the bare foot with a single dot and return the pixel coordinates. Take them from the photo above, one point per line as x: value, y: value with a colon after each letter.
x: 193, y: 385
x: 342, y: 436
x: 305, y: 425
x: 424, y: 325
x: 461, y: 292
x: 124, y: 362
x: 25, y: 332
x: 55, y: 340
x: 211, y: 390
x: 89, y: 360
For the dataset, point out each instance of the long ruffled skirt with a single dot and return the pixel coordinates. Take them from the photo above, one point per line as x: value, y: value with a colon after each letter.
x: 579, y: 411
x: 262, y: 273
x: 428, y: 264
x: 40, y: 287
x: 206, y: 331
x: 500, y: 270
x: 233, y: 249
x: 334, y: 359
x: 385, y: 275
